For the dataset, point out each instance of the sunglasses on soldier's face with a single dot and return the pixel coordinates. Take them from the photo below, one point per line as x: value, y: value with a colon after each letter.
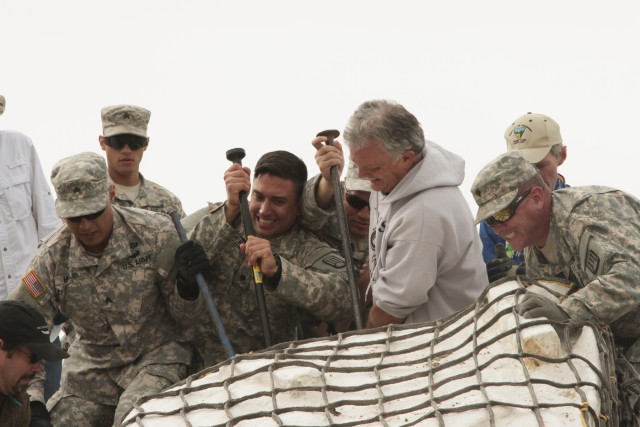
x: 356, y: 202
x: 507, y: 213
x: 119, y: 141
x: 90, y: 217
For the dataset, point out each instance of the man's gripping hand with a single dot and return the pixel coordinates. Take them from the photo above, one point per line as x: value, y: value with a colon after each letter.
x: 190, y: 259
x: 533, y: 305
x: 500, y: 266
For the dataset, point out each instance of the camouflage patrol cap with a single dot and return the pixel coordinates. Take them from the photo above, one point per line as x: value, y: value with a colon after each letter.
x: 81, y: 185
x: 3, y: 102
x: 129, y: 119
x: 353, y: 182
x: 533, y: 135
x: 496, y: 185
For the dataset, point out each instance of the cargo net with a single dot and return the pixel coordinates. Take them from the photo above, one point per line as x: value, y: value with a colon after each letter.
x: 483, y: 366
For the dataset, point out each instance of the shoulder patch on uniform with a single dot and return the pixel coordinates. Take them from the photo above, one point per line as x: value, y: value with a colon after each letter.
x: 32, y: 282
x: 591, y: 255
x: 334, y: 261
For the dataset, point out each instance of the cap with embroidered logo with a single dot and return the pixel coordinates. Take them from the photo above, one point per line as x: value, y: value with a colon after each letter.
x: 81, y: 185
x: 533, y: 135
x: 121, y: 119
x: 23, y: 324
x: 497, y: 184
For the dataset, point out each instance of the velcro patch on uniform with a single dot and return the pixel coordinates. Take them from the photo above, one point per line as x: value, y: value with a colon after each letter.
x: 334, y: 261
x: 35, y: 288
x: 593, y: 261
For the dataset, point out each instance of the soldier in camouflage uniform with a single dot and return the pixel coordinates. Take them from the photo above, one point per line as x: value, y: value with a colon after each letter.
x: 319, y: 215
x: 303, y: 277
x: 111, y: 270
x: 588, y: 235
x: 124, y: 139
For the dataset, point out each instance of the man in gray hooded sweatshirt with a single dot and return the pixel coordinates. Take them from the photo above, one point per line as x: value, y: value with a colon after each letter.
x: 425, y: 255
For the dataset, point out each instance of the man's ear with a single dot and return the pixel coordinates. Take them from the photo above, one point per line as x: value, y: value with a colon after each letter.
x: 408, y: 159
x: 103, y: 142
x: 537, y: 194
x: 563, y: 155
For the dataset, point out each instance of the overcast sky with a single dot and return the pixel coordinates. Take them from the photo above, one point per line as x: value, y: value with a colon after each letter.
x: 267, y: 75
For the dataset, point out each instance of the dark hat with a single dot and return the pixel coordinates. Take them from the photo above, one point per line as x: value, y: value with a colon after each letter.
x: 20, y: 323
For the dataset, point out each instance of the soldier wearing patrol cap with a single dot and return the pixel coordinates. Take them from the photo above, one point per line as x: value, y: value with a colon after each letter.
x: 110, y: 269
x: 24, y: 343
x: 303, y: 277
x: 537, y: 138
x: 124, y: 140
x: 589, y: 235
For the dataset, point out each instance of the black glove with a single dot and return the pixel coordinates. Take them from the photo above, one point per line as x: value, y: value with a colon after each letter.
x: 190, y: 260
x: 499, y: 267
x: 39, y: 415
x: 533, y: 305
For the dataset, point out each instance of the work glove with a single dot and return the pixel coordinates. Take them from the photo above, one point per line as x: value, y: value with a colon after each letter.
x: 190, y: 259
x: 533, y: 305
x: 39, y: 415
x: 500, y: 266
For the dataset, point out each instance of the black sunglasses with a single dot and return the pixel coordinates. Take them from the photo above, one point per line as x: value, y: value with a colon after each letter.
x: 507, y: 213
x: 356, y: 202
x: 133, y: 141
x: 33, y: 357
x: 90, y: 217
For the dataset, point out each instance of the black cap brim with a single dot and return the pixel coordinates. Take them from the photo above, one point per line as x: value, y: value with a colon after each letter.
x: 48, y: 351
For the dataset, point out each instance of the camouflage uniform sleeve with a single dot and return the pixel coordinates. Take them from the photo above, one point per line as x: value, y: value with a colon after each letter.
x: 318, y: 283
x: 37, y: 285
x: 605, y: 236
x: 215, y: 234
x: 313, y: 217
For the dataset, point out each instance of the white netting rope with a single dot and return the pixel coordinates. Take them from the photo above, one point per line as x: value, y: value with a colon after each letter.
x: 401, y: 375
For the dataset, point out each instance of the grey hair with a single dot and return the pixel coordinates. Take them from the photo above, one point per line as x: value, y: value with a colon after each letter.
x: 556, y: 149
x: 389, y: 124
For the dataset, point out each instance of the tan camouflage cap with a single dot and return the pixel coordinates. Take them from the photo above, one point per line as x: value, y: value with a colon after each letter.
x: 81, y: 185
x: 119, y: 119
x: 3, y: 102
x: 533, y: 135
x: 497, y: 183
x: 353, y: 182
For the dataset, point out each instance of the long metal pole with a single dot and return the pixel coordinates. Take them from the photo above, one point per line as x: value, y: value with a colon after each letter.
x: 204, y: 290
x: 236, y: 155
x: 344, y: 231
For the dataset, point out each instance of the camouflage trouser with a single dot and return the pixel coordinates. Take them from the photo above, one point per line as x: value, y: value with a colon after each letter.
x: 70, y: 410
